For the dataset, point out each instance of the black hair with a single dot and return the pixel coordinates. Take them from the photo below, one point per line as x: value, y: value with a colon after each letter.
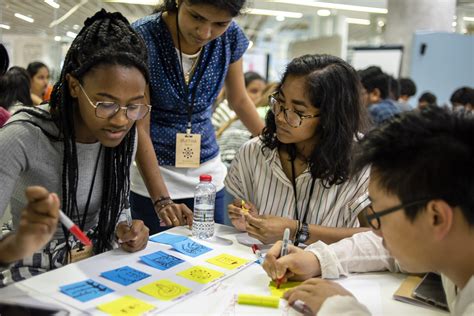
x: 333, y: 87
x: 428, y: 97
x: 424, y: 154
x: 407, y: 87
x: 250, y: 76
x: 372, y: 79
x: 234, y: 7
x: 15, y: 87
x: 394, y: 88
x: 464, y: 95
x: 106, y: 39
x: 4, y: 60
x: 34, y: 67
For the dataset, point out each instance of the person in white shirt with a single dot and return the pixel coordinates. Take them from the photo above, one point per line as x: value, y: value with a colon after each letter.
x: 422, y: 216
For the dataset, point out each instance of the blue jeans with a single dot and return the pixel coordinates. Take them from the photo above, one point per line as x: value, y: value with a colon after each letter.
x: 142, y: 208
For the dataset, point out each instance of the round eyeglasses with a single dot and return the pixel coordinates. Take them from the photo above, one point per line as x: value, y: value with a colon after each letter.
x: 106, y: 109
x: 293, y: 118
x: 373, y: 218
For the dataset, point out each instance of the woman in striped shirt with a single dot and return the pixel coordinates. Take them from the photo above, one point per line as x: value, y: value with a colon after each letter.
x: 296, y: 174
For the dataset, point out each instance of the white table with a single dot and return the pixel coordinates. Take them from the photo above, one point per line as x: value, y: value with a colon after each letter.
x: 373, y: 289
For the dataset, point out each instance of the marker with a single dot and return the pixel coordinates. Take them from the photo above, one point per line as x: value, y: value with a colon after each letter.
x: 258, y: 253
x: 243, y: 208
x: 128, y: 213
x: 284, y: 251
x: 302, y: 308
x: 74, y: 229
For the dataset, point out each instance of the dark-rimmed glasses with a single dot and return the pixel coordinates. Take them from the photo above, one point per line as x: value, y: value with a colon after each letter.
x: 373, y: 218
x: 107, y: 109
x: 293, y: 118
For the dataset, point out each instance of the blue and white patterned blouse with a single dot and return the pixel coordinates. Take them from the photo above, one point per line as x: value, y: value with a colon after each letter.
x: 167, y: 87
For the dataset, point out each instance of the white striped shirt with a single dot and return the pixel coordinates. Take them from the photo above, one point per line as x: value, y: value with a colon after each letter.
x: 258, y: 178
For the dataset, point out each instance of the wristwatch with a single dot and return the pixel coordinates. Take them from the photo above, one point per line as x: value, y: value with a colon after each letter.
x: 302, y: 235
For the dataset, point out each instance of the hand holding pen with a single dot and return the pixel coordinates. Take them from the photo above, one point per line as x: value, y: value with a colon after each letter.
x: 132, y: 234
x: 283, y: 251
x: 38, y: 222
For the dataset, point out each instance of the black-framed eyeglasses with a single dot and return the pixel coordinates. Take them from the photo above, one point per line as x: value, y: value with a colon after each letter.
x: 107, y: 109
x: 293, y: 118
x: 373, y: 218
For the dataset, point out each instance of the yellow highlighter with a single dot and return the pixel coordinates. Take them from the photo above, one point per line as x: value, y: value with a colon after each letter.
x: 258, y: 300
x: 243, y: 208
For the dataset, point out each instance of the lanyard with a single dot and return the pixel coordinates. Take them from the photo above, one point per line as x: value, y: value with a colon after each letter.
x: 293, y: 181
x: 89, y: 196
x: 189, y: 106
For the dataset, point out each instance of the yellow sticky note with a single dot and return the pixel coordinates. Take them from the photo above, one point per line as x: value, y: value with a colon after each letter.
x: 164, y: 290
x: 283, y: 288
x: 127, y: 305
x: 227, y: 261
x: 200, y: 274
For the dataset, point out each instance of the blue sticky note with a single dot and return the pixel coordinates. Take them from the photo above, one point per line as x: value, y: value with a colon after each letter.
x: 168, y: 239
x: 125, y: 275
x: 161, y: 260
x: 86, y: 290
x: 190, y: 248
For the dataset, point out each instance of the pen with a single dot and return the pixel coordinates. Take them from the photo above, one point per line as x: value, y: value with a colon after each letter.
x: 284, y: 251
x: 301, y: 307
x: 128, y: 213
x: 258, y: 253
x: 74, y: 229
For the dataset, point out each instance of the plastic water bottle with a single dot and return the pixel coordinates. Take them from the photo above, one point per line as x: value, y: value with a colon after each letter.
x: 204, y: 203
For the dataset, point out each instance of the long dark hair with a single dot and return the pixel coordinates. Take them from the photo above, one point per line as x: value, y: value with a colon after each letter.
x: 333, y: 87
x: 105, y: 39
x: 234, y: 7
x: 15, y: 87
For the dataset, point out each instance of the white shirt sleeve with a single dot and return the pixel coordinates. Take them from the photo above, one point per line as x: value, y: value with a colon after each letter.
x: 363, y: 252
x: 342, y: 306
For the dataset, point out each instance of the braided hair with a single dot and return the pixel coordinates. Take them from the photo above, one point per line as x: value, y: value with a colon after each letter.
x: 106, y: 39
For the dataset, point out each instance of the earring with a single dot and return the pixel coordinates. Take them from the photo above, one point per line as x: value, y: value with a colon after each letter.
x: 177, y: 4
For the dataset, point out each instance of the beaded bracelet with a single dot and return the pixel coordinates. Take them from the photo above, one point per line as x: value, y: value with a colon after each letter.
x: 163, y: 204
x: 161, y: 199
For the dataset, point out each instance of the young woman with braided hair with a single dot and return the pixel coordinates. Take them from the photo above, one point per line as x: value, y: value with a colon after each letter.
x: 80, y: 147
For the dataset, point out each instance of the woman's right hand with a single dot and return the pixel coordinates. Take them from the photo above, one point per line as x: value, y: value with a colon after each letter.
x: 175, y: 215
x: 236, y: 213
x: 38, y: 222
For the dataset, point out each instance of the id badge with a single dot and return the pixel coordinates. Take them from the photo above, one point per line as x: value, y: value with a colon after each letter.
x: 188, y: 150
x: 80, y: 252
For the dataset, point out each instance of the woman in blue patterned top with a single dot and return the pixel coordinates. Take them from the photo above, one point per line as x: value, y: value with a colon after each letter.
x: 194, y: 48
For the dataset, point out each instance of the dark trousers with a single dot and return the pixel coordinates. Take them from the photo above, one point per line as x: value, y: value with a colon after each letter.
x: 142, y: 208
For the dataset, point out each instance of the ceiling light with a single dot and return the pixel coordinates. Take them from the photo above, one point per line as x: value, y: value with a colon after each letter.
x: 335, y: 6
x: 24, y: 17
x: 454, y: 24
x: 76, y: 27
x: 52, y: 3
x: 4, y: 26
x: 358, y: 21
x: 57, y: 38
x: 71, y: 34
x: 468, y: 18
x: 380, y: 23
x: 280, y: 18
x: 324, y: 12
x: 286, y: 14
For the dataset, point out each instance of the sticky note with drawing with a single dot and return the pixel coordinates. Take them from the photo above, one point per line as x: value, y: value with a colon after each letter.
x: 124, y: 275
x: 127, y: 305
x: 227, y: 261
x: 201, y: 274
x: 161, y: 260
x: 190, y: 248
x: 164, y: 290
x: 86, y: 290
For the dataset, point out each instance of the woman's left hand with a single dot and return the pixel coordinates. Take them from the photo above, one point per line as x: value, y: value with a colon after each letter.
x: 267, y: 228
x: 133, y: 238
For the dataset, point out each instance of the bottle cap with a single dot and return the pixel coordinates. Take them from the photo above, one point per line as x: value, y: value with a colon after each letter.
x: 205, y: 177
